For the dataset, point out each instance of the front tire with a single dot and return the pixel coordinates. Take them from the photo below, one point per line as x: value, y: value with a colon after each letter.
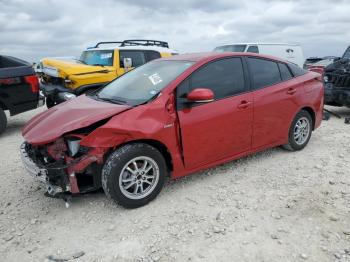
x: 299, y: 131
x: 134, y: 174
x: 3, y: 121
x: 50, y: 102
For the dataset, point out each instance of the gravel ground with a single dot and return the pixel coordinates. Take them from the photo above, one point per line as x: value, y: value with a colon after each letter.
x: 271, y: 206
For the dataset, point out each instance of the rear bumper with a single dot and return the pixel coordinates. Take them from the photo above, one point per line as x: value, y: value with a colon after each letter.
x: 56, y: 93
x: 49, y: 89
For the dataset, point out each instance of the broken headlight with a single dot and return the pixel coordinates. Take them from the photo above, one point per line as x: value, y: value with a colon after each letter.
x: 66, y: 96
x: 73, y: 144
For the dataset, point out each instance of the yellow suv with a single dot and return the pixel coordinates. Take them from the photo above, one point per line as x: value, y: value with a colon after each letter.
x: 65, y: 78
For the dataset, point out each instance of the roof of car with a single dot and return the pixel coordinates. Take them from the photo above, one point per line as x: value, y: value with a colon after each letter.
x: 259, y: 43
x: 136, y: 47
x: 207, y: 56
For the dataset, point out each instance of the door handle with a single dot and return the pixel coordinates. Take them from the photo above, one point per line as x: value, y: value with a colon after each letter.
x: 291, y: 91
x: 244, y: 104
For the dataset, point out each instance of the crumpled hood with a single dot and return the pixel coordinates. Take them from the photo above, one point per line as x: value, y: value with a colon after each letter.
x: 66, y: 117
x: 72, y: 67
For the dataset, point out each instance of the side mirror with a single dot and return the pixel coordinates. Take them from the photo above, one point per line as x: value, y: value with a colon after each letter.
x: 127, y: 63
x: 201, y: 95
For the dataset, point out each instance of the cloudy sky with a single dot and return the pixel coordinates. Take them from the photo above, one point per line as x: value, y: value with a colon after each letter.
x: 33, y: 29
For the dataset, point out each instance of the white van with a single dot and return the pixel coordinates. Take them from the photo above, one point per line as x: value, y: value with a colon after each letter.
x: 290, y: 52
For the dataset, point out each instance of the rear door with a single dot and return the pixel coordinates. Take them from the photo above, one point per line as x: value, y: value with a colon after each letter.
x: 222, y: 128
x: 276, y: 99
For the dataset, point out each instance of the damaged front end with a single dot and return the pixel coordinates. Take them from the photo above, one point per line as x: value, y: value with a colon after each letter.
x: 64, y: 166
x: 337, y: 83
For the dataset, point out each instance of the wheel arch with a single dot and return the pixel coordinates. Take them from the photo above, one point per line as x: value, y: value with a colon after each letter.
x: 159, y: 146
x: 312, y: 114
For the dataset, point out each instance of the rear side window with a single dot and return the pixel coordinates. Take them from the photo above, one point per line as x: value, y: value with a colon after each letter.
x: 224, y: 77
x: 230, y: 48
x: 296, y: 70
x: 285, y: 72
x: 263, y: 72
x: 253, y: 49
x: 151, y: 55
x: 138, y: 57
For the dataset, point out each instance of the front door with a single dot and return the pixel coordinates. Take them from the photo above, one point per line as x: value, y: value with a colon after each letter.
x: 221, y: 128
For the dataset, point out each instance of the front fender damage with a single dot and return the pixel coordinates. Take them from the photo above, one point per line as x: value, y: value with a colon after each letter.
x: 61, y: 172
x: 95, y: 155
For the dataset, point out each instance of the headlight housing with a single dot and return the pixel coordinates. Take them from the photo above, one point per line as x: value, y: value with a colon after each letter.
x: 73, y: 144
x: 66, y: 96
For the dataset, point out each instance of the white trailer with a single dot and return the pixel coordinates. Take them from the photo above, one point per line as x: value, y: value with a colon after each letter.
x: 290, y: 52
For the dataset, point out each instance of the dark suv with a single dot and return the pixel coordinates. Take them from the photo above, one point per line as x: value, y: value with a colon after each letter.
x: 337, y: 81
x: 19, y: 88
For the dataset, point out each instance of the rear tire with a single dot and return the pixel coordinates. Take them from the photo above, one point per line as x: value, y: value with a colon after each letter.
x: 299, y: 131
x: 3, y: 121
x: 134, y: 174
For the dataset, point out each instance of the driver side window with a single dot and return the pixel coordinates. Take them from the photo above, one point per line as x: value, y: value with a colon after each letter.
x: 225, y: 77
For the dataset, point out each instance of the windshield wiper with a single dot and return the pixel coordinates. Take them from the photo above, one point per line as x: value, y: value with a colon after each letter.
x: 98, y: 65
x: 112, y: 100
x: 81, y: 61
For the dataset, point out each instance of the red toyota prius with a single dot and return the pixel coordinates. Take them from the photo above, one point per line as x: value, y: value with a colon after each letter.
x: 171, y: 117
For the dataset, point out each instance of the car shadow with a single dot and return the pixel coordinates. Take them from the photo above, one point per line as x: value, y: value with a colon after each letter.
x: 172, y: 185
x: 17, y: 122
x: 13, y: 127
x: 343, y: 112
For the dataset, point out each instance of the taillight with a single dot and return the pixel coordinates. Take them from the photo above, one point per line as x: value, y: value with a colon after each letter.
x: 34, y: 83
x: 10, y: 81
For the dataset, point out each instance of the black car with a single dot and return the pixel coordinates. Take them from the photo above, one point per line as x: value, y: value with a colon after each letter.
x: 310, y: 61
x: 19, y: 88
x: 337, y: 81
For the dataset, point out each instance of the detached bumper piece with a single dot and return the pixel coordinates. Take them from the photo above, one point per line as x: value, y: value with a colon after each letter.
x: 54, y: 178
x: 61, y: 173
x: 56, y: 92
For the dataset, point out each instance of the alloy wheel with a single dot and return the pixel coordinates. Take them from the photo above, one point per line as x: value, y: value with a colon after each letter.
x: 301, y: 130
x: 139, y: 177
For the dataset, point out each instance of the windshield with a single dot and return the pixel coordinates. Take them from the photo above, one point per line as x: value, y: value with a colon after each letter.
x: 230, y: 48
x: 347, y: 53
x: 142, y: 83
x: 97, y: 57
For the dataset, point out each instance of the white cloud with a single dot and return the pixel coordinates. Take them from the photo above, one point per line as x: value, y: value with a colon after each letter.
x: 32, y: 29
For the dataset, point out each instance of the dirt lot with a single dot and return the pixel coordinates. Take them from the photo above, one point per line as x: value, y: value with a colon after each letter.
x: 272, y: 206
